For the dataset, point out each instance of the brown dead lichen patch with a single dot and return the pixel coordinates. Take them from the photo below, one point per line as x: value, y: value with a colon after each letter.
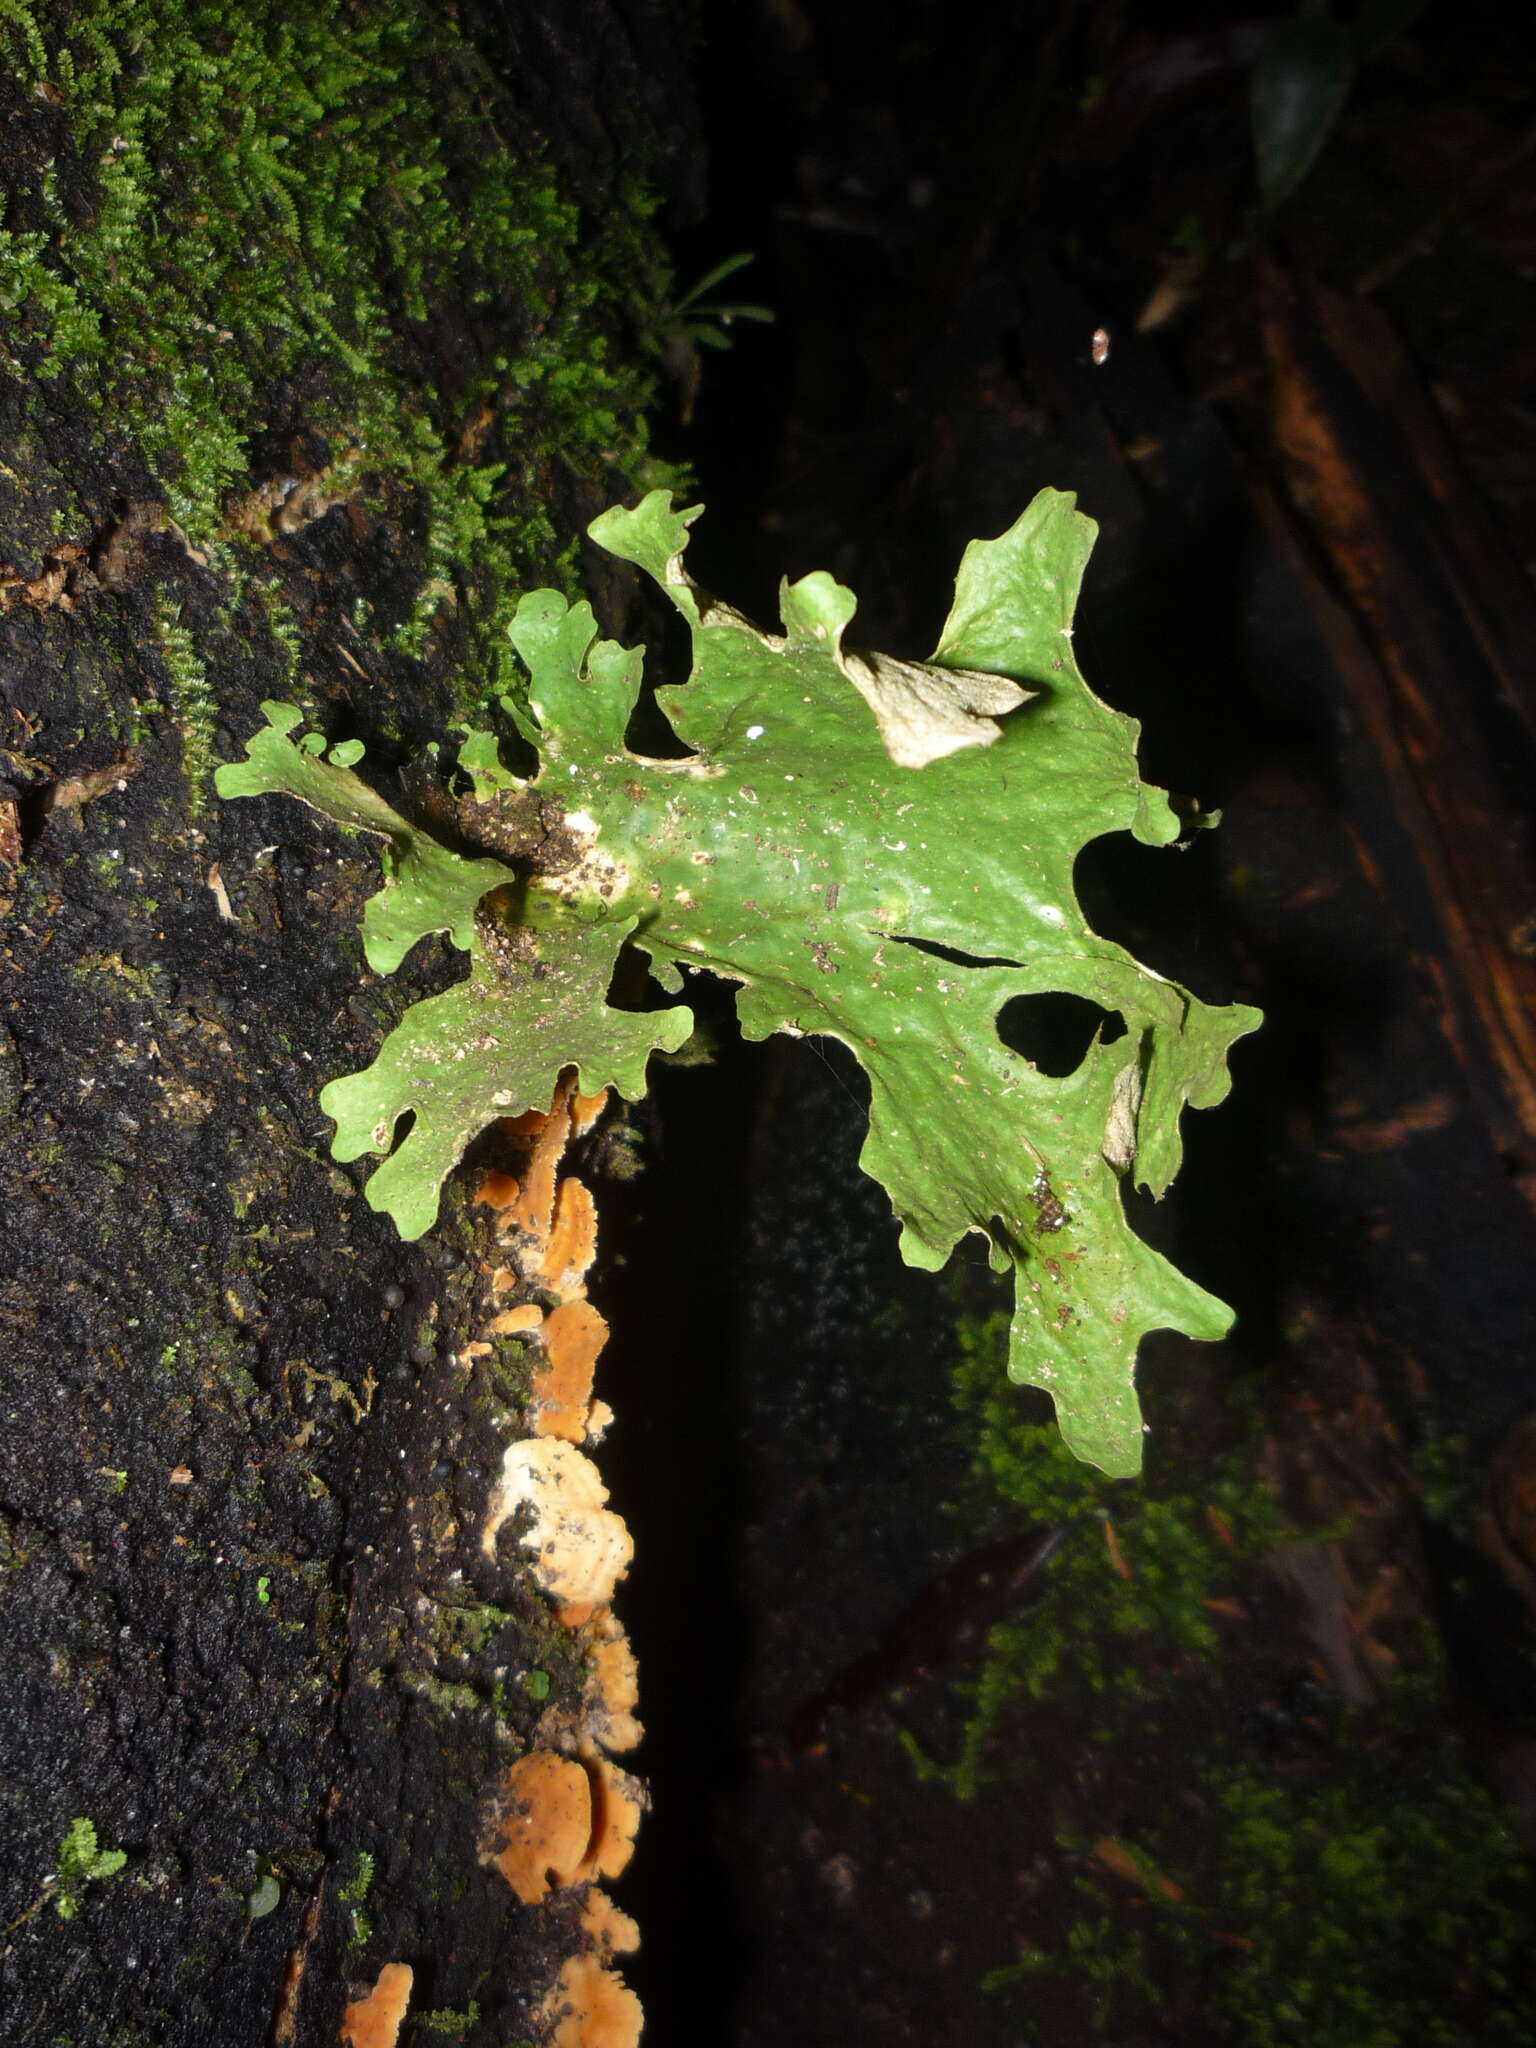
x: 925, y: 712
x: 1507, y: 1529
x: 51, y: 590
x: 375, y: 2021
x: 74, y: 792
x: 561, y: 1395
x: 542, y: 1832
x: 10, y: 850
x: 286, y: 503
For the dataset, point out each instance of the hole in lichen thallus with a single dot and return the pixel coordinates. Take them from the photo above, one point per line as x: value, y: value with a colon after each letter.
x: 1054, y: 1031
x: 669, y: 661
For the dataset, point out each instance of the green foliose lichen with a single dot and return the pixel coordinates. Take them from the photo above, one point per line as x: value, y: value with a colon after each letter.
x: 876, y: 850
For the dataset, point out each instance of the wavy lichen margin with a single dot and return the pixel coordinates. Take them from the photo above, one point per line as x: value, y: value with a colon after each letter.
x: 874, y: 850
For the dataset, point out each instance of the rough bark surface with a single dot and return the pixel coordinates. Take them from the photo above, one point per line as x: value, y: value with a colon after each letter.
x: 249, y: 1631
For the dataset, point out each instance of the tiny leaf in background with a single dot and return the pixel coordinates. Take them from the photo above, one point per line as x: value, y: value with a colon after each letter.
x: 1301, y: 81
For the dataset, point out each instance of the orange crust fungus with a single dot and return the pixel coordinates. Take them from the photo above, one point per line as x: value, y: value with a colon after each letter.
x: 592, y: 2007
x: 561, y: 1820
x: 613, y: 1685
x: 497, y: 1191
x: 572, y: 1237
x: 617, y: 1801
x: 544, y: 1828
x: 581, y: 1549
x: 561, y: 1398
x: 375, y: 2021
x: 528, y: 1204
x: 526, y: 1316
x: 585, y: 1111
x: 611, y: 1930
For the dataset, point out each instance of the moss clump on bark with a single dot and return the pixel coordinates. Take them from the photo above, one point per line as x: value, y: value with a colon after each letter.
x: 250, y: 223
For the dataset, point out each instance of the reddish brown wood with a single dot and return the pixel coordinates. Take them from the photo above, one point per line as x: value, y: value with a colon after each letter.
x: 1430, y: 635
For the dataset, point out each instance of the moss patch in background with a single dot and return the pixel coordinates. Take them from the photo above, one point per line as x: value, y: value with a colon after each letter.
x: 1123, y: 1609
x: 1252, y: 1860
x: 246, y: 231
x: 1378, y: 1908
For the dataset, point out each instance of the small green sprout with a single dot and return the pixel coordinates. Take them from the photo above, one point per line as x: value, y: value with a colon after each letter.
x: 694, y: 321
x: 360, y: 1883
x: 703, y: 322
x: 447, y: 2021
x: 81, y: 1862
x: 353, y: 1893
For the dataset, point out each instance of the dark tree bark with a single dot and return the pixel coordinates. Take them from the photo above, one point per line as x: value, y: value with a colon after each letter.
x: 325, y: 331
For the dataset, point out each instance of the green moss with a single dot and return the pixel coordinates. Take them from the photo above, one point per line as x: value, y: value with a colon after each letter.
x: 1122, y: 1600
x: 1384, y: 1907
x: 79, y: 1864
x: 263, y: 216
x: 446, y: 2021
x: 360, y: 1883
x: 445, y: 1698
x: 281, y: 625
x: 503, y: 1380
x: 192, y: 700
x: 353, y: 1895
x: 1364, y: 1893
x: 466, y: 1628
x: 1327, y: 1882
x: 1106, y: 1960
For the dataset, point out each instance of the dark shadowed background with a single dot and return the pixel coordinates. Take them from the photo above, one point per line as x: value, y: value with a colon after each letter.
x: 1244, y: 1759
